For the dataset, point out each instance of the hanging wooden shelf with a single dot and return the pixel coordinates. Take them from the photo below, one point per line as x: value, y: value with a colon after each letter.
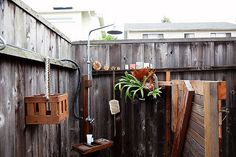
x: 39, y: 110
x: 98, y: 145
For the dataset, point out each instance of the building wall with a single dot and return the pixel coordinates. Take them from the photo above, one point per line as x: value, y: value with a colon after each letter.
x: 199, y: 34
x: 74, y: 22
x: 75, y: 25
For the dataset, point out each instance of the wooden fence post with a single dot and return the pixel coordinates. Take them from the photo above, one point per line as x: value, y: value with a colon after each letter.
x: 85, y: 85
x: 211, y: 120
x: 167, y: 123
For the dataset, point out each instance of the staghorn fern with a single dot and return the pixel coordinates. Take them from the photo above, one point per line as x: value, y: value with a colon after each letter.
x: 134, y: 88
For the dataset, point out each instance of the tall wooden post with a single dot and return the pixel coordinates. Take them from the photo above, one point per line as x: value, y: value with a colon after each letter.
x: 85, y: 85
x: 167, y: 122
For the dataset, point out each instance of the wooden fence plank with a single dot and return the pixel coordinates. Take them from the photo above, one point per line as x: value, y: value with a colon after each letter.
x: 211, y: 120
x: 175, y: 93
x: 221, y: 90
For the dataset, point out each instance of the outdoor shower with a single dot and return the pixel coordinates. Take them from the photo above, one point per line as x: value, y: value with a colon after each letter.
x: 89, y: 67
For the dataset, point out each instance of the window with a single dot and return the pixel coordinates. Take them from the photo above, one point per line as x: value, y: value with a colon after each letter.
x: 62, y: 8
x: 228, y: 34
x: 189, y: 35
x: 220, y: 35
x: 153, y: 36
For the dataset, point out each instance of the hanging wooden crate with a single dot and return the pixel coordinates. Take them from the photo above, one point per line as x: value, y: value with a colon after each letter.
x: 41, y: 111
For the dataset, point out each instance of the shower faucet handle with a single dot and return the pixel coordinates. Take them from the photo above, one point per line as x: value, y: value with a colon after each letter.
x: 90, y: 120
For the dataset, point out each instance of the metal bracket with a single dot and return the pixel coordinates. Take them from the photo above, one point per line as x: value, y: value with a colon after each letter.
x: 2, y: 43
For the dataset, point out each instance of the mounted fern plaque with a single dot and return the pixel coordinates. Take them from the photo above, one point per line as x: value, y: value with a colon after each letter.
x: 139, y: 84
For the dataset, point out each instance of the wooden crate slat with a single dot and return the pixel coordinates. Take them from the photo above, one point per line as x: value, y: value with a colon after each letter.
x: 30, y: 109
x: 41, y: 111
x: 54, y: 108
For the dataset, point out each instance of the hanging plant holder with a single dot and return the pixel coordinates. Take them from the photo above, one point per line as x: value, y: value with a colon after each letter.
x: 46, y: 108
x: 39, y: 110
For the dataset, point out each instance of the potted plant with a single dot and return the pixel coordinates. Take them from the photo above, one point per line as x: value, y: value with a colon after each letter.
x: 139, y: 84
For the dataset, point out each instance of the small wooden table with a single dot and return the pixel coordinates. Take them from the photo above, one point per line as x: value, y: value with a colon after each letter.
x: 94, y: 149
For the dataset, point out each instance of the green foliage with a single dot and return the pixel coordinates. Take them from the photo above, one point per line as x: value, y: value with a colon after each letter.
x: 156, y: 92
x: 132, y: 88
x: 107, y: 37
x: 165, y: 19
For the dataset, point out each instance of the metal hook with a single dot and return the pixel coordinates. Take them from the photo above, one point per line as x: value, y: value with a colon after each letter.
x: 2, y: 43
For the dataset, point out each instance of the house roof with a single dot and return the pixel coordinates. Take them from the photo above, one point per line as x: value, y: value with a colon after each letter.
x: 204, y: 26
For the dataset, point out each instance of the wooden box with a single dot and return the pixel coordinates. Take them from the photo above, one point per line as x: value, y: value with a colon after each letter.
x: 41, y: 111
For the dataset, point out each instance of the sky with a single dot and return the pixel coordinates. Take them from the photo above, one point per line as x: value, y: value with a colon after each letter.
x: 152, y: 11
x: 120, y: 12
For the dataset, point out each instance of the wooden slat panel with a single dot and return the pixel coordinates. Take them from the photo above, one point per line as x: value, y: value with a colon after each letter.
x: 198, y: 87
x: 183, y: 120
x: 197, y: 118
x: 198, y: 138
x: 197, y: 128
x: 199, y: 99
x: 198, y: 109
x: 195, y: 149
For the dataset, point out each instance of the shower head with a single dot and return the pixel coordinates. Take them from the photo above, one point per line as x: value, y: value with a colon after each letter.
x: 114, y: 32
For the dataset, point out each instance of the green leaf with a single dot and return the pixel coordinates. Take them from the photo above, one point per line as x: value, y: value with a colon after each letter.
x: 134, y: 93
x: 142, y: 93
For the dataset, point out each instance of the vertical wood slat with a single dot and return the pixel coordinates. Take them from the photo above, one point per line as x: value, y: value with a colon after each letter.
x: 174, y: 99
x: 183, y: 120
x: 167, y: 116
x: 55, y: 108
x: 42, y: 109
x: 85, y: 85
x: 211, y: 120
x: 30, y: 110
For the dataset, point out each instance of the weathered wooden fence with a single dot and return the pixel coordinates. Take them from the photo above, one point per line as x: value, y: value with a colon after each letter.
x: 187, y: 59
x: 140, y: 126
x: 34, y: 38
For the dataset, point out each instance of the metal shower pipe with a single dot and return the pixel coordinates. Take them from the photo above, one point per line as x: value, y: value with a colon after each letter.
x: 89, y: 71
